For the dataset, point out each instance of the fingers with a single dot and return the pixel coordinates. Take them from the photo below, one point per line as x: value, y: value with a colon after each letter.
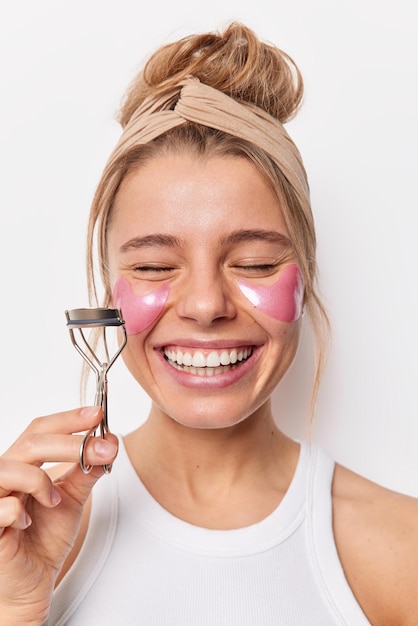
x: 27, y: 479
x: 16, y: 478
x: 66, y: 422
x: 37, y: 448
x: 50, y: 438
x: 78, y: 485
x: 98, y: 451
x: 13, y: 514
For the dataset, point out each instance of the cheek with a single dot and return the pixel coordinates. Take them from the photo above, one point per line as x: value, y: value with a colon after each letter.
x: 283, y: 300
x: 139, y: 312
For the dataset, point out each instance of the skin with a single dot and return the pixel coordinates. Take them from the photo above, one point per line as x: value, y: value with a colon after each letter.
x: 205, y: 307
x: 39, y: 520
x: 210, y: 453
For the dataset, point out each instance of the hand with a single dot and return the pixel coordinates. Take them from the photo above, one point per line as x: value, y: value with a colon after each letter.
x: 39, y: 518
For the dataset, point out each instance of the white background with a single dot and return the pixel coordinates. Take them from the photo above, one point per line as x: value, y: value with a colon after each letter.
x: 64, y: 66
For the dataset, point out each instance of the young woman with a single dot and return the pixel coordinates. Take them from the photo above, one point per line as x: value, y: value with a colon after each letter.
x: 211, y: 514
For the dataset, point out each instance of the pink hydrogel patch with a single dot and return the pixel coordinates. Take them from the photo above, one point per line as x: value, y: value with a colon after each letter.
x: 139, y: 312
x: 283, y: 300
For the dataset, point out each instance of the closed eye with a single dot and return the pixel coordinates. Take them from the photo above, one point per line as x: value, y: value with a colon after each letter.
x: 153, y: 268
x: 153, y: 272
x: 257, y: 268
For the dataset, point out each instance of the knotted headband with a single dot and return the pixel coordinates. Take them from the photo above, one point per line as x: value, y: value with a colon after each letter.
x: 196, y: 102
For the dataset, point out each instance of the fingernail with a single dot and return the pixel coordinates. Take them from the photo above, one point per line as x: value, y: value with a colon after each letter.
x: 55, y: 496
x: 90, y: 411
x: 104, y: 448
x: 27, y: 521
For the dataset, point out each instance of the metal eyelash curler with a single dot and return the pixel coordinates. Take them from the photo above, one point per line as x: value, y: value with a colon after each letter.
x: 79, y: 320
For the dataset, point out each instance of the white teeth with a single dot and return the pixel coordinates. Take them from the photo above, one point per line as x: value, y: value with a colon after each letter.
x: 186, y: 358
x: 198, y: 359
x: 225, y: 360
x: 207, y: 365
x: 213, y: 360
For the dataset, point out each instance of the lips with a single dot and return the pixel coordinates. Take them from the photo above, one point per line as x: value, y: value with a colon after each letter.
x: 207, y: 362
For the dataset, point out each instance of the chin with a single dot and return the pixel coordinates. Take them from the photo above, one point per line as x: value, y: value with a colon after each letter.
x: 209, y: 418
x: 207, y: 424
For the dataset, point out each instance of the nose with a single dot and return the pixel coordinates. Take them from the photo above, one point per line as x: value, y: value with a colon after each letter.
x: 206, y: 299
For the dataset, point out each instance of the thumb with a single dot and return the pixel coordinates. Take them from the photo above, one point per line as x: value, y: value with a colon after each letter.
x: 75, y: 482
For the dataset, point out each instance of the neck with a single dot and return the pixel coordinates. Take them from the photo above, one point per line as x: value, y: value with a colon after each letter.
x: 203, y: 472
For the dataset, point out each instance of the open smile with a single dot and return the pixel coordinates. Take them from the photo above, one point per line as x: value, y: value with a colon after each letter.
x: 207, y: 363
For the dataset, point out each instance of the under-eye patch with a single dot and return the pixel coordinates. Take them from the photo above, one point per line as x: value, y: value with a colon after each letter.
x: 139, y: 312
x: 283, y: 300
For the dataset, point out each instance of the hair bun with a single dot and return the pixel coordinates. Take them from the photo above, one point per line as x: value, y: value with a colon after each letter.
x: 234, y: 61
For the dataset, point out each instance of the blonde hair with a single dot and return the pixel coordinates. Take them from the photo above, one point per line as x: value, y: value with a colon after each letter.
x: 237, y: 63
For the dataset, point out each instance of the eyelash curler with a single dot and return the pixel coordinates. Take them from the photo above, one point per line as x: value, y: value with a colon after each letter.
x: 96, y: 318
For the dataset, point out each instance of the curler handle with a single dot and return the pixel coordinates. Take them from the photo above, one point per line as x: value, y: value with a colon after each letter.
x: 99, y: 400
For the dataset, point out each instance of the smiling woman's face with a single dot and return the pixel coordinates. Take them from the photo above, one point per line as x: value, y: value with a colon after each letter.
x: 205, y: 241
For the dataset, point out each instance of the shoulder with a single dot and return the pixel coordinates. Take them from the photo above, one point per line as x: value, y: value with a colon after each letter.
x: 376, y: 533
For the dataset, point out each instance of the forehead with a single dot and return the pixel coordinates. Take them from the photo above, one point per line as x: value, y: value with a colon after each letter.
x: 187, y: 195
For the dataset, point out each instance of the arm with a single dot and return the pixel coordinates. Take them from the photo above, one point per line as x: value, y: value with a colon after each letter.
x: 376, y: 532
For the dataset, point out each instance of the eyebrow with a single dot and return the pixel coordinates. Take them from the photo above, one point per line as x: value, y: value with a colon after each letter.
x: 236, y: 237
x: 151, y: 241
x: 241, y: 236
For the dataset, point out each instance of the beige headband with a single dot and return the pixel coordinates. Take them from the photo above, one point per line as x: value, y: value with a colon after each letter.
x: 195, y: 102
